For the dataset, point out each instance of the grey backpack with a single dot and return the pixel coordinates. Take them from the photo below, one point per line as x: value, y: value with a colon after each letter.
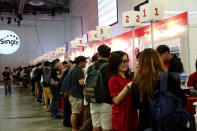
x: 95, y: 90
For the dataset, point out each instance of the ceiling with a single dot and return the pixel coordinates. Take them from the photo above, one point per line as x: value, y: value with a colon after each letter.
x: 34, y: 7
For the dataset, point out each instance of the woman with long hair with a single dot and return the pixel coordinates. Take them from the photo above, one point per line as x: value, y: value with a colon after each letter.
x: 147, y: 80
x: 124, y: 116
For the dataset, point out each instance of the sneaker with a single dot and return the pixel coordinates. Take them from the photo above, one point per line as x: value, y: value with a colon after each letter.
x: 57, y: 117
x: 39, y: 101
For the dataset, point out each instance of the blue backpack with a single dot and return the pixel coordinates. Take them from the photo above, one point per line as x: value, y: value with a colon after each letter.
x: 167, y: 111
x: 66, y: 84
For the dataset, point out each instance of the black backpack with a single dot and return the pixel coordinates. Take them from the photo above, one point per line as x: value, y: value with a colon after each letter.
x: 95, y: 90
x: 46, y: 76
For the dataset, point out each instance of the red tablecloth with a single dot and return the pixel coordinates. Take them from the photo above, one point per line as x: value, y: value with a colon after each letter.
x: 190, y: 107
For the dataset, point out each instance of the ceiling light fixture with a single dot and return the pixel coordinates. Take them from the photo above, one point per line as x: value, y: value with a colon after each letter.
x: 36, y: 2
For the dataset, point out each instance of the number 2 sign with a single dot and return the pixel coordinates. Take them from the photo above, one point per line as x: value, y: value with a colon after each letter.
x: 151, y: 12
x: 131, y: 19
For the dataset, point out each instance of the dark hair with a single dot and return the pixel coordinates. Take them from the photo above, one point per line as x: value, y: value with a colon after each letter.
x: 39, y: 64
x: 162, y: 49
x: 7, y: 68
x: 47, y: 63
x: 54, y: 62
x: 70, y: 61
x: 104, y: 51
x: 114, y: 61
x: 80, y: 59
x: 138, y: 55
x: 94, y: 58
x: 196, y: 65
x: 65, y: 62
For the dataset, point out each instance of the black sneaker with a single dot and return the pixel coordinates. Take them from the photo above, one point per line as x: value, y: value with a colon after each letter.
x: 38, y: 100
x: 56, y: 117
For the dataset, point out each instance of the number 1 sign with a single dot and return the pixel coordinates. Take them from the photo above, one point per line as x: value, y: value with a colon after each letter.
x: 151, y: 12
x: 131, y: 19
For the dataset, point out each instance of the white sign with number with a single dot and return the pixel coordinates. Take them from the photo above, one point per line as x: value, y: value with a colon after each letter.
x: 73, y: 44
x: 93, y: 36
x: 131, y: 19
x: 60, y: 50
x: 103, y: 31
x: 46, y: 56
x: 80, y: 42
x: 151, y: 12
x: 52, y: 54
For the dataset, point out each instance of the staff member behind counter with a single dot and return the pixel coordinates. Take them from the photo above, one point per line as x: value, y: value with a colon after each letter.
x: 192, y: 81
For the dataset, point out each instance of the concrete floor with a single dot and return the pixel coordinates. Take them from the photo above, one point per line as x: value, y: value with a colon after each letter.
x: 20, y: 112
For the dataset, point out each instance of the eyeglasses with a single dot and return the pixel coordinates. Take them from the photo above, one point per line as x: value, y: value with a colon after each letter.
x: 125, y: 61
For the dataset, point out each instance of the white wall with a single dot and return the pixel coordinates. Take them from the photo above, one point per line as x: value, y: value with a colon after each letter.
x: 51, y: 33
x: 192, y: 47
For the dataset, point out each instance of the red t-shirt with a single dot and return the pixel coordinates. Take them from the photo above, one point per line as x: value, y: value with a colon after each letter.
x: 192, y: 81
x: 124, y: 115
x: 167, y: 64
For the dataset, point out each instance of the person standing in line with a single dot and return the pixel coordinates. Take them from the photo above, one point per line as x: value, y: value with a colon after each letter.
x: 101, y: 113
x: 147, y: 82
x: 20, y: 80
x: 67, y: 106
x: 76, y: 88
x: 64, y: 66
x: 87, y: 120
x: 124, y: 115
x: 172, y: 63
x: 33, y: 79
x: 7, y: 80
x: 46, y: 75
x: 37, y: 75
x: 55, y: 91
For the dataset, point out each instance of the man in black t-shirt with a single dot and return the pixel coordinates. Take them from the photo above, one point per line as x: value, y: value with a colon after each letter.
x: 76, y: 88
x: 37, y: 76
x: 7, y: 80
x: 55, y: 91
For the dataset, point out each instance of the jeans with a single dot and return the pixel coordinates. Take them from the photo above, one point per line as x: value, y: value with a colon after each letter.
x: 33, y: 86
x: 40, y: 90
x: 55, y: 101
x: 7, y: 87
x: 67, y: 112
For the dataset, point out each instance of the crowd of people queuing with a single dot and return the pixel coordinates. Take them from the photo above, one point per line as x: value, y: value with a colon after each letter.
x: 103, y: 89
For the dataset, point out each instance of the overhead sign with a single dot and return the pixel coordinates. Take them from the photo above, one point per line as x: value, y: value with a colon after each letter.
x: 9, y: 42
x: 151, y: 12
x: 103, y: 31
x: 93, y: 36
x: 107, y: 12
x: 131, y: 19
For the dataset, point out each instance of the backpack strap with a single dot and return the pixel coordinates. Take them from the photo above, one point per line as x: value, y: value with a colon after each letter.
x: 102, y: 66
x: 94, y: 66
x: 164, y: 82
